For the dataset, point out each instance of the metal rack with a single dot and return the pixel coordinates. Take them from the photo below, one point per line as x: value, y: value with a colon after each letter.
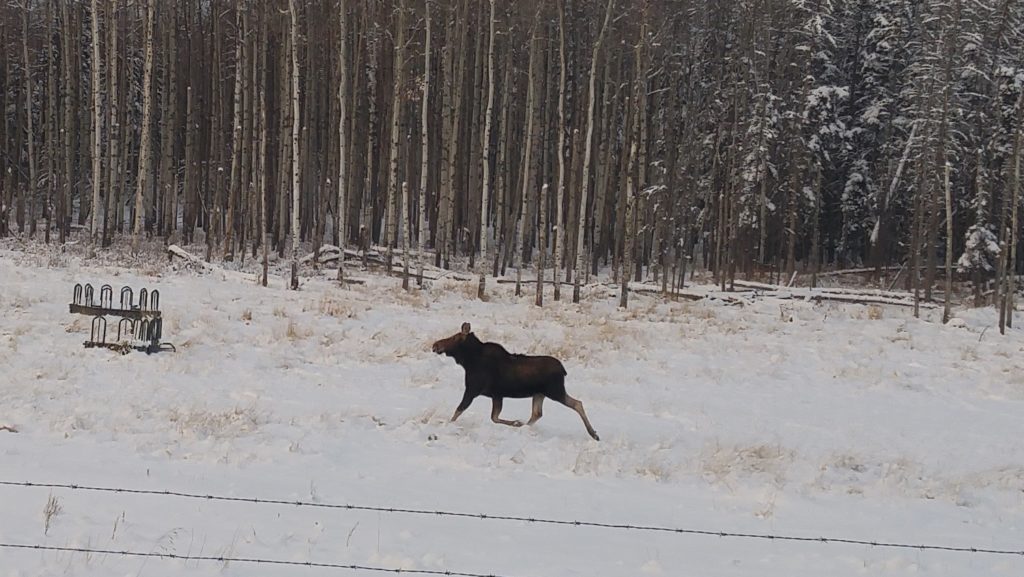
x: 140, y: 326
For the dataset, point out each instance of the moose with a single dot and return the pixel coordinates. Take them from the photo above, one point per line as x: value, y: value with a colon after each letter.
x: 494, y: 372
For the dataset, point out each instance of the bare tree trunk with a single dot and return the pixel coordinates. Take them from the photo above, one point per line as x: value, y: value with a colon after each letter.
x: 425, y: 152
x: 97, y: 125
x: 294, y: 33
x: 1011, y: 289
x: 212, y: 198
x: 605, y: 166
x: 31, y: 188
x: 458, y: 80
x: 486, y: 157
x: 391, y: 227
x: 560, y: 196
x: 66, y: 209
x: 949, y: 245
x: 6, y: 190
x: 443, y: 224
x: 113, y: 125
x: 169, y: 122
x: 501, y: 180
x: 816, y: 228
x: 369, y: 189
x: 629, y: 248
x: 284, y: 149
x: 524, y: 209
x: 51, y: 126
x: 406, y: 231
x: 146, y: 136
x: 542, y: 242
x: 236, y: 142
x: 587, y: 151
x: 261, y: 171
x: 191, y: 208
x: 248, y: 210
x: 341, y: 216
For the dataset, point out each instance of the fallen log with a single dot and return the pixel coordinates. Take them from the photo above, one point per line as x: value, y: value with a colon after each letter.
x: 176, y: 251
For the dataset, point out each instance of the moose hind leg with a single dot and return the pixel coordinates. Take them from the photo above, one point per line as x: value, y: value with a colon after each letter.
x: 577, y: 406
x: 496, y: 412
x: 538, y: 409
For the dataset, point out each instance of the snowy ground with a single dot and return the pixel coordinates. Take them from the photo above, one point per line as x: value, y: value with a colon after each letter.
x: 779, y: 417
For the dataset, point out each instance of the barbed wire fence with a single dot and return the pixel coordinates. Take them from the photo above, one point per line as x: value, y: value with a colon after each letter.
x: 246, y: 560
x: 533, y: 520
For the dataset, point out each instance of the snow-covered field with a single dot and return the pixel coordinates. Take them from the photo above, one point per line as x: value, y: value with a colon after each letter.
x: 779, y: 417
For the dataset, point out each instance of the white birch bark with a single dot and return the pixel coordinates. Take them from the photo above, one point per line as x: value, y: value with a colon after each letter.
x: 524, y: 207
x: 629, y: 247
x: 949, y: 244
x: 31, y: 189
x: 97, y: 120
x: 113, y: 124
x: 587, y: 152
x: 542, y: 241
x: 261, y: 161
x: 486, y: 157
x: 343, y: 74
x: 559, y: 228
x: 236, y: 143
x: 391, y: 227
x: 144, y: 147
x: 295, y: 142
x: 406, y: 231
x: 425, y: 152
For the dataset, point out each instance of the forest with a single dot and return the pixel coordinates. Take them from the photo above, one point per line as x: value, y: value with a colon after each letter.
x: 751, y: 138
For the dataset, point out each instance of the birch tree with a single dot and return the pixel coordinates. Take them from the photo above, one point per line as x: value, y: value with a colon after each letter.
x: 294, y: 54
x: 524, y: 208
x: 146, y: 135
x: 424, y: 150
x: 559, y: 225
x: 341, y: 211
x: 236, y: 139
x: 391, y: 227
x: 587, y: 150
x: 486, y: 156
x: 97, y: 125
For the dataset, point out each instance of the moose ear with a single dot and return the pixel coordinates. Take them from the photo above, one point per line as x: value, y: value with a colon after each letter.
x: 465, y: 328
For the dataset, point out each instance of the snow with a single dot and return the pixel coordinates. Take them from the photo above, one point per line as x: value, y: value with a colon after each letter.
x: 778, y: 416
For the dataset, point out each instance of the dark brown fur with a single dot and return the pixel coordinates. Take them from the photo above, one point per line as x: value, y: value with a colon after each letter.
x: 493, y: 372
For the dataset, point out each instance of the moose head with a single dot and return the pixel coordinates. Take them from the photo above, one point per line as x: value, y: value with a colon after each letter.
x: 451, y: 345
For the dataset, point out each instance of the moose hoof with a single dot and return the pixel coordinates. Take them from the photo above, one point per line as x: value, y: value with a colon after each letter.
x: 594, y: 435
x: 517, y: 423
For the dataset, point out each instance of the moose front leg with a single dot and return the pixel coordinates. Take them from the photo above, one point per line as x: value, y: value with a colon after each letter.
x: 496, y: 412
x: 467, y: 399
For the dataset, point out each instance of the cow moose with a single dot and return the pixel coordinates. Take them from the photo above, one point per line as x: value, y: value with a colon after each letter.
x: 493, y: 372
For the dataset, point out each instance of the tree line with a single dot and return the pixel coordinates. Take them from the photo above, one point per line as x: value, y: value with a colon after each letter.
x: 749, y: 137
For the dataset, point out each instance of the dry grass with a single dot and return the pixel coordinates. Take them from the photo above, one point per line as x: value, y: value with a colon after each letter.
x: 656, y: 469
x: 722, y: 463
x: 469, y: 290
x: 220, y: 424
x: 874, y: 312
x: 413, y: 298
x: 698, y: 311
x: 332, y: 307
x: 295, y: 332
x: 247, y: 315
x: 51, y: 510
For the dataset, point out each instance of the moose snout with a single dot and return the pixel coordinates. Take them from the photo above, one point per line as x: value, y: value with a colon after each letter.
x: 436, y: 348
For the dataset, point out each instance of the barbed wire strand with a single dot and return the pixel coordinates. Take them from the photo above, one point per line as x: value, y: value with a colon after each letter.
x: 535, y: 520
x: 250, y: 560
